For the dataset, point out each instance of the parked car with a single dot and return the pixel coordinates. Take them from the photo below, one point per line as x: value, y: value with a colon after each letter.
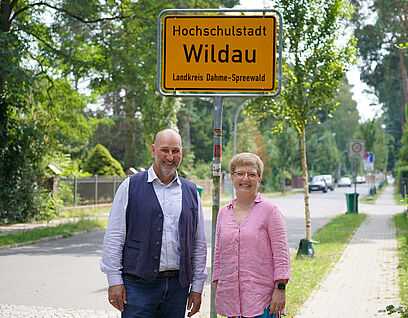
x: 344, y: 182
x: 317, y: 183
x: 360, y: 179
x: 329, y: 181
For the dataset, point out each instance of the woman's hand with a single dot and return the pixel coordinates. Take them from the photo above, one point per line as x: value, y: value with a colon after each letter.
x: 278, y: 301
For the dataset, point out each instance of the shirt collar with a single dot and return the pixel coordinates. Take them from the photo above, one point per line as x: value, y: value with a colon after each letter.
x: 258, y: 199
x: 151, y: 176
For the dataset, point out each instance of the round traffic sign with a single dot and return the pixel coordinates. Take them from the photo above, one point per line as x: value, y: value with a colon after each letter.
x: 356, y: 147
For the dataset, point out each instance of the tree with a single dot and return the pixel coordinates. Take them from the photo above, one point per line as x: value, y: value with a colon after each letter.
x: 322, y: 154
x: 315, y: 64
x: 40, y: 114
x: 122, y: 62
x: 384, y: 62
x: 281, y: 150
x: 101, y: 163
x: 344, y: 122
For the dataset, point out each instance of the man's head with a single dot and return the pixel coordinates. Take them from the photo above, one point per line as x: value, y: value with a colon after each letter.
x: 167, y: 153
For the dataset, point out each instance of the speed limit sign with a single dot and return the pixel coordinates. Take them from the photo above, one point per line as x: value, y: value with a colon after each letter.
x: 356, y: 148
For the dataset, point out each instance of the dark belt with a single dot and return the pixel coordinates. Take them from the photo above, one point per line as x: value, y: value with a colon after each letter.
x: 168, y: 274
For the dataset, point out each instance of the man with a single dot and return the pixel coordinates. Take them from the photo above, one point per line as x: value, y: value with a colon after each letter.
x: 154, y: 251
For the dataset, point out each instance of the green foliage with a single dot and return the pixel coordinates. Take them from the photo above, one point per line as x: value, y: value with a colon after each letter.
x: 100, y: 162
x: 322, y: 154
x: 401, y: 224
x: 314, y: 64
x: 21, y: 147
x: 382, y: 64
x: 282, y: 151
x: 247, y: 132
x: 404, y: 148
x: 402, y: 173
x: 187, y: 165
x: 202, y: 170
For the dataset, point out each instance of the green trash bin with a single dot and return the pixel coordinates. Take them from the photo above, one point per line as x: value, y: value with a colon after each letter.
x: 199, y: 189
x: 352, y: 202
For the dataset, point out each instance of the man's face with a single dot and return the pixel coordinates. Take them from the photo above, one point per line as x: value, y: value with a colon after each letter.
x: 167, y: 154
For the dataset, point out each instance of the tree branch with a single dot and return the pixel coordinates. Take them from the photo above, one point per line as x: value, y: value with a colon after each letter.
x: 13, y: 4
x: 36, y: 4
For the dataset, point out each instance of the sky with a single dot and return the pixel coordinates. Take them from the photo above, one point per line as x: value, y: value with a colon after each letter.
x: 367, y: 103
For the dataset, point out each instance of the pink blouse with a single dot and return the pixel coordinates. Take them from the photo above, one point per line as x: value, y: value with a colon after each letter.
x: 249, y: 258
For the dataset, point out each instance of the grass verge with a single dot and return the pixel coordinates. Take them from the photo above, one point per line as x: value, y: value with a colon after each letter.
x: 66, y: 230
x: 80, y: 212
x: 401, y: 223
x: 307, y: 272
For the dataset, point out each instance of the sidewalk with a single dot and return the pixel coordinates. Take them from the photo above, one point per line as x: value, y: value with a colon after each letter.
x: 365, y: 279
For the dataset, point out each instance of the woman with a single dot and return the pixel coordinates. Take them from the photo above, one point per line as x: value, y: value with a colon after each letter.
x: 251, y: 257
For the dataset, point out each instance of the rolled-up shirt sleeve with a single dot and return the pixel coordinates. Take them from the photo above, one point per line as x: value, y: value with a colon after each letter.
x: 199, y: 253
x: 112, y: 248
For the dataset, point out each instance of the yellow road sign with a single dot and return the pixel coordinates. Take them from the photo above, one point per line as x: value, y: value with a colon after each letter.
x: 219, y: 53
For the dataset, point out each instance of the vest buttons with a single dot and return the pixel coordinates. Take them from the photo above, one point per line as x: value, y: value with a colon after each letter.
x: 158, y: 243
x: 156, y: 257
x: 159, y: 229
x: 160, y: 215
x: 156, y: 271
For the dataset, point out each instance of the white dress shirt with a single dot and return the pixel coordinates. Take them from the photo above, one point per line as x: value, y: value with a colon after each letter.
x: 170, y: 199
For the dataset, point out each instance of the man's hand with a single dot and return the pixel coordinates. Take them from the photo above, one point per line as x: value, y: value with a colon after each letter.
x: 278, y: 301
x: 194, y: 303
x: 117, y: 296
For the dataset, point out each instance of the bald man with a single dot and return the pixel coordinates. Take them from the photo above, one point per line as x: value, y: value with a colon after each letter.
x: 154, y: 251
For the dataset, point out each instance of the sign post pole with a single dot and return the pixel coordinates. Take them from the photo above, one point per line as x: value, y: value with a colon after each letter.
x: 216, y: 186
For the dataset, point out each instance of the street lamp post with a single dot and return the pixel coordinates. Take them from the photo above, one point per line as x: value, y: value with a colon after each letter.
x: 235, y: 137
x: 236, y: 123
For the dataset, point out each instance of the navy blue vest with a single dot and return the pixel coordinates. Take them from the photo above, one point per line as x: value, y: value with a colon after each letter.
x: 144, y: 229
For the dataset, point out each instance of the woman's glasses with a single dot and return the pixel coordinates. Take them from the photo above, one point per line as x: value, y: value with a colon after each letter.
x: 250, y: 175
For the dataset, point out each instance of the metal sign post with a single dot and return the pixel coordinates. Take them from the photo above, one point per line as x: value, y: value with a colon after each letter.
x: 216, y: 186
x: 356, y: 153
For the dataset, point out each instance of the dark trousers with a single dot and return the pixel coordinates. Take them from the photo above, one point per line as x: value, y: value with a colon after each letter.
x: 162, y: 298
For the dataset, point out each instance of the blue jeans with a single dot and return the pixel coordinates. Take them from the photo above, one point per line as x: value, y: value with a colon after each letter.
x: 161, y: 298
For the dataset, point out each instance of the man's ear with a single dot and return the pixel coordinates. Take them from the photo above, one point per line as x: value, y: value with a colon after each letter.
x: 152, y: 149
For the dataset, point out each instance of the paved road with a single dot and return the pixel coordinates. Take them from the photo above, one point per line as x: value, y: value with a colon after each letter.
x: 65, y: 273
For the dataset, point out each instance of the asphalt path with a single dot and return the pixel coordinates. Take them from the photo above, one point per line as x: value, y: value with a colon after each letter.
x: 65, y: 273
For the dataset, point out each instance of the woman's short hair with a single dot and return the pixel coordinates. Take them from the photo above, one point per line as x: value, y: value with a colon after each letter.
x: 247, y: 159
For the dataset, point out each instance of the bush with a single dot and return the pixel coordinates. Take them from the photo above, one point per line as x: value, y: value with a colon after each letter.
x: 402, y: 173
x: 202, y: 170
x: 101, y: 163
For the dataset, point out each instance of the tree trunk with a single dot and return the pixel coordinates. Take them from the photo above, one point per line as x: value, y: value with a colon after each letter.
x: 283, y: 179
x: 134, y: 141
x: 305, y: 186
x: 405, y: 87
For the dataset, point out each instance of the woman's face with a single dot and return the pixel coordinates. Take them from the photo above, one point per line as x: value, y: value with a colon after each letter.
x: 245, y: 180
